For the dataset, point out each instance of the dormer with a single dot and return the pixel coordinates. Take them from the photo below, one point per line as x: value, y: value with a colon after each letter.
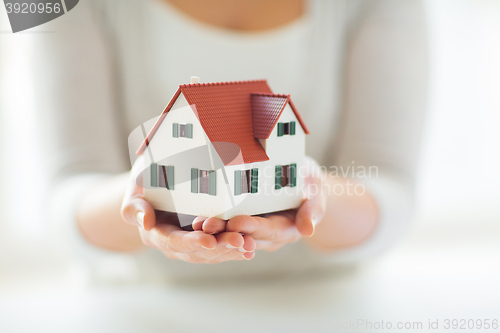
x: 267, y: 109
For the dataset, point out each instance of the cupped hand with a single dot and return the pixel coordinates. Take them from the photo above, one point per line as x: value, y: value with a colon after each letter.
x: 272, y: 231
x: 158, y: 231
x: 197, y: 246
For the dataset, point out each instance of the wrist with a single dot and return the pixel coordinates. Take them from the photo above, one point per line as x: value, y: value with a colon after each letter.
x: 350, y: 219
x: 99, y: 219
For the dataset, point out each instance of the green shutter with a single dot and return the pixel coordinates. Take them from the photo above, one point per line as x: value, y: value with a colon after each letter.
x: 277, y: 177
x: 154, y: 174
x: 280, y: 129
x: 170, y: 177
x: 194, y: 180
x: 254, y: 181
x: 189, y: 131
x: 237, y: 182
x: 292, y: 128
x: 212, y: 182
x: 175, y: 130
x: 293, y: 175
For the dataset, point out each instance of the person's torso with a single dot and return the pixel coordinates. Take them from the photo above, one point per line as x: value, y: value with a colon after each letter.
x: 158, y: 49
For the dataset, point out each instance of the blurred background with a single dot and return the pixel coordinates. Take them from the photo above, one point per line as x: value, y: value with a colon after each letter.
x: 447, y: 267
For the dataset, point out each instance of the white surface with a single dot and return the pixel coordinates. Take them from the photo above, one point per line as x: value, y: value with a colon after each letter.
x: 438, y: 273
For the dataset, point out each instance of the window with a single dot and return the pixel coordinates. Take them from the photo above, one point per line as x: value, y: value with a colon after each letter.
x: 286, y: 128
x: 162, y: 176
x: 182, y: 130
x: 285, y: 175
x: 246, y: 181
x: 203, y: 181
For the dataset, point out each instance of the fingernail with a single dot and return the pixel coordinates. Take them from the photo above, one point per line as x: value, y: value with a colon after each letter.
x: 199, y: 219
x: 140, y: 219
x: 229, y: 246
x: 248, y: 258
x: 208, y: 248
x: 241, y: 249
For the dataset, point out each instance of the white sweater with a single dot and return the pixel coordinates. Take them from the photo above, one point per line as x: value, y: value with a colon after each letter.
x: 356, y: 70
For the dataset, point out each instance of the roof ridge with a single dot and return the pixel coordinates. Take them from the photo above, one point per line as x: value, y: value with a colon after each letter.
x: 220, y: 83
x: 271, y: 94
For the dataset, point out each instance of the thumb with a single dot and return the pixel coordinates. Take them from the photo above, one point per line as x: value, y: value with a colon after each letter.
x: 135, y: 210
x: 313, y: 207
x: 308, y: 216
x: 139, y: 212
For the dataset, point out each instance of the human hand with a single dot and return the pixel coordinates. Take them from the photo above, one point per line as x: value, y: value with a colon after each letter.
x: 158, y: 231
x: 273, y: 231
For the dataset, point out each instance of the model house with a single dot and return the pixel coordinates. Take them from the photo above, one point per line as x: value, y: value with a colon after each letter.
x: 225, y: 149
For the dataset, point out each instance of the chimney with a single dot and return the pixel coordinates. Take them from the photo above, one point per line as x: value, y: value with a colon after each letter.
x: 195, y: 79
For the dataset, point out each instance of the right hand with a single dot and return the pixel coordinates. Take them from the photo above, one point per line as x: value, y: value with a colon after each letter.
x: 158, y: 231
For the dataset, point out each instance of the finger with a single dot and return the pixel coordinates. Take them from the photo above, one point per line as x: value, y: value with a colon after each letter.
x: 313, y: 208
x: 231, y: 240
x: 245, y: 252
x: 139, y: 212
x: 171, y: 238
x: 222, y: 251
x: 249, y: 243
x: 274, y: 227
x: 249, y: 255
x: 226, y: 242
x: 198, y: 222
x: 306, y: 219
x: 214, y: 225
x: 233, y: 255
x: 250, y: 246
x: 209, y: 258
x: 229, y: 247
x: 310, y: 213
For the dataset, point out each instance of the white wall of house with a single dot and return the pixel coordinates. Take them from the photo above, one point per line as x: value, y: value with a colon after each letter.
x: 189, y: 153
x: 287, y: 147
x: 225, y: 204
x: 164, y: 144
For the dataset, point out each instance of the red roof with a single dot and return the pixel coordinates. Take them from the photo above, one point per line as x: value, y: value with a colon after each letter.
x: 266, y: 110
x: 235, y: 112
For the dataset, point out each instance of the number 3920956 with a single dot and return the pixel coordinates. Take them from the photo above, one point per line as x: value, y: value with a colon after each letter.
x: 32, y: 8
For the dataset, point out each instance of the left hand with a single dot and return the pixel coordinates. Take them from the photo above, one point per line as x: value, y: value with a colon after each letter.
x: 272, y: 231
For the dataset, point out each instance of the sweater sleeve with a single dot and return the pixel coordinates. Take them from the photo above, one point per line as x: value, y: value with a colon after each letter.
x: 384, y: 107
x: 77, y: 114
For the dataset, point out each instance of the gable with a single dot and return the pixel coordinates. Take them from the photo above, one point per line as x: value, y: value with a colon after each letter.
x: 158, y: 123
x: 171, y: 139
